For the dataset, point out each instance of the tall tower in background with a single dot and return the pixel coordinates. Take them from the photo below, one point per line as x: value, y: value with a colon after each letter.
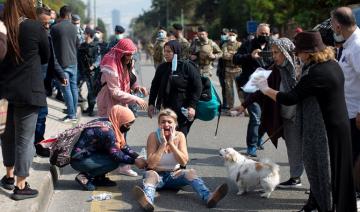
x: 115, y: 18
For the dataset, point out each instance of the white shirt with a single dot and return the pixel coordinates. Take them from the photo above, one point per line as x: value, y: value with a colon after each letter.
x: 350, y: 64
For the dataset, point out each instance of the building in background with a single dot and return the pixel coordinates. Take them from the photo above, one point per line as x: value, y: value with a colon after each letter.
x: 115, y: 18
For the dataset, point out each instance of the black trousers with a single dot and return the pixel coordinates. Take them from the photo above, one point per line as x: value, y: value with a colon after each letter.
x: 355, y: 137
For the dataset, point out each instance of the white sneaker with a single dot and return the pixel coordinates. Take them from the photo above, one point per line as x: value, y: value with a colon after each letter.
x: 126, y: 170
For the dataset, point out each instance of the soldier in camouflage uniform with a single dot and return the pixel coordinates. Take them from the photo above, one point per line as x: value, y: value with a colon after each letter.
x: 204, y: 52
x: 185, y: 44
x: 159, y: 48
x: 231, y: 70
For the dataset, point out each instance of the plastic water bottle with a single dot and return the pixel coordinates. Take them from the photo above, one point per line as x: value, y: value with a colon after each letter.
x: 143, y: 153
x: 100, y: 197
x: 139, y: 94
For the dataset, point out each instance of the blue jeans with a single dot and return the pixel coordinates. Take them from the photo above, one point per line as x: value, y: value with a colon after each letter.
x: 95, y: 165
x: 70, y: 91
x: 43, y: 112
x: 40, y: 124
x: 253, y: 139
x: 168, y: 180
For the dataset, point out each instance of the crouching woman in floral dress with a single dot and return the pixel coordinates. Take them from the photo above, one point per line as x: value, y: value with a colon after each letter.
x: 166, y: 153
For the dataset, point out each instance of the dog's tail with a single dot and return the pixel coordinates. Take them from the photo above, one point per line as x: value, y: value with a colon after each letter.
x: 274, y: 167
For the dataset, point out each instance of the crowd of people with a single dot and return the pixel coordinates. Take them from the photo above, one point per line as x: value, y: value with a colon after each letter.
x: 310, y: 99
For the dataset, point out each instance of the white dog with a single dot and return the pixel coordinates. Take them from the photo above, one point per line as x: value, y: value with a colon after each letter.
x: 247, y: 173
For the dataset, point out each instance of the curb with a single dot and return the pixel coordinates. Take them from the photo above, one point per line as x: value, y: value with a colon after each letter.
x: 40, y: 179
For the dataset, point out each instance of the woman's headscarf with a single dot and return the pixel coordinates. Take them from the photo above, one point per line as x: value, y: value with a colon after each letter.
x: 112, y: 61
x: 174, y: 46
x: 120, y: 115
x: 288, y: 73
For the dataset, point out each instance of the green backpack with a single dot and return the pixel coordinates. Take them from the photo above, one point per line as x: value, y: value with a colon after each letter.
x: 209, y: 105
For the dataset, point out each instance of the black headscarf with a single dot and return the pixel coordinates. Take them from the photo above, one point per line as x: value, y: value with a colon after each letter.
x: 174, y: 46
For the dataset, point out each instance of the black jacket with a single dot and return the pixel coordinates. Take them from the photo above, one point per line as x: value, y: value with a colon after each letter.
x: 23, y: 83
x: 54, y: 70
x: 88, y: 54
x: 3, y: 46
x: 179, y: 89
x: 248, y: 64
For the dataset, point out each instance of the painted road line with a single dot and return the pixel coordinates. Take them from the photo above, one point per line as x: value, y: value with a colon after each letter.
x: 112, y: 204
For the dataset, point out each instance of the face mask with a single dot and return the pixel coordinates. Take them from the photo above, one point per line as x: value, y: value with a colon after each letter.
x: 124, y: 129
x: 119, y: 36
x: 263, y: 39
x: 161, y: 35
x: 52, y: 21
x: 97, y: 35
x: 232, y: 38
x: 338, y: 38
x: 224, y: 37
x: 77, y: 26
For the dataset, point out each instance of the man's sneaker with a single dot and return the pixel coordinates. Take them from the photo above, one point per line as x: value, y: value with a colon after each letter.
x: 126, y: 170
x: 8, y: 183
x: 25, y: 193
x: 103, y: 181
x: 142, y: 199
x: 67, y: 119
x: 219, y: 193
x: 291, y: 183
x: 85, y: 182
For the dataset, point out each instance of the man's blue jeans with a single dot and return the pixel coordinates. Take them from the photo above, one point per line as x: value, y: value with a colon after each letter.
x: 70, y: 91
x: 40, y: 124
x: 43, y: 112
x: 95, y: 165
x: 253, y: 139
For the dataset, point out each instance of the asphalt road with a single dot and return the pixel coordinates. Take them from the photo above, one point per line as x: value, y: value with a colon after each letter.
x: 203, y: 148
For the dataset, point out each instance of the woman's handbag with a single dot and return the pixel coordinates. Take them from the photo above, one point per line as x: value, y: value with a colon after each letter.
x: 3, y: 114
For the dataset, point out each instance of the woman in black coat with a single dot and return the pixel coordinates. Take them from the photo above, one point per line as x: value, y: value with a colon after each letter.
x: 176, y: 85
x: 325, y: 82
x: 21, y: 83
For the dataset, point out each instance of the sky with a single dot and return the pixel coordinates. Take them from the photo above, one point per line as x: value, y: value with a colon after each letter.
x: 128, y: 9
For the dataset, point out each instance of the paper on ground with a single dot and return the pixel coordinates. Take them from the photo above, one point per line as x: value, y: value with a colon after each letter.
x: 249, y: 87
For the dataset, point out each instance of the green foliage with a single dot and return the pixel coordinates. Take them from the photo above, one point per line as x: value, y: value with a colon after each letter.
x: 217, y: 14
x: 102, y: 26
x: 77, y: 6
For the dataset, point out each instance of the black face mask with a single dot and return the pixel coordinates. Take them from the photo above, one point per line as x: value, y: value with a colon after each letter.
x: 263, y: 39
x: 124, y: 129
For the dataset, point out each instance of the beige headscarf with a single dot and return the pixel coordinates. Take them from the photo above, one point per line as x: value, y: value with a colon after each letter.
x: 120, y: 115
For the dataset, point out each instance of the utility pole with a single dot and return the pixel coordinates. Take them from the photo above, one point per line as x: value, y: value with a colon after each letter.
x: 167, y: 13
x: 182, y: 17
x: 95, y: 21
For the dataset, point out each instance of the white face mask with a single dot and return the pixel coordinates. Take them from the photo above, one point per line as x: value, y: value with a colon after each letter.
x: 232, y: 38
x: 119, y: 36
x: 338, y: 38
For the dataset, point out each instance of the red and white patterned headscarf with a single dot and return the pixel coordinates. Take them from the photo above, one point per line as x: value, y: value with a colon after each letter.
x: 112, y: 61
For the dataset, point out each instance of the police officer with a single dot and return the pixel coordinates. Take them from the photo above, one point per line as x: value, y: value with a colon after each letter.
x: 159, y: 47
x: 220, y: 71
x: 119, y: 34
x: 75, y: 19
x: 185, y: 44
x: 89, y: 55
x: 231, y: 70
x: 204, y: 52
